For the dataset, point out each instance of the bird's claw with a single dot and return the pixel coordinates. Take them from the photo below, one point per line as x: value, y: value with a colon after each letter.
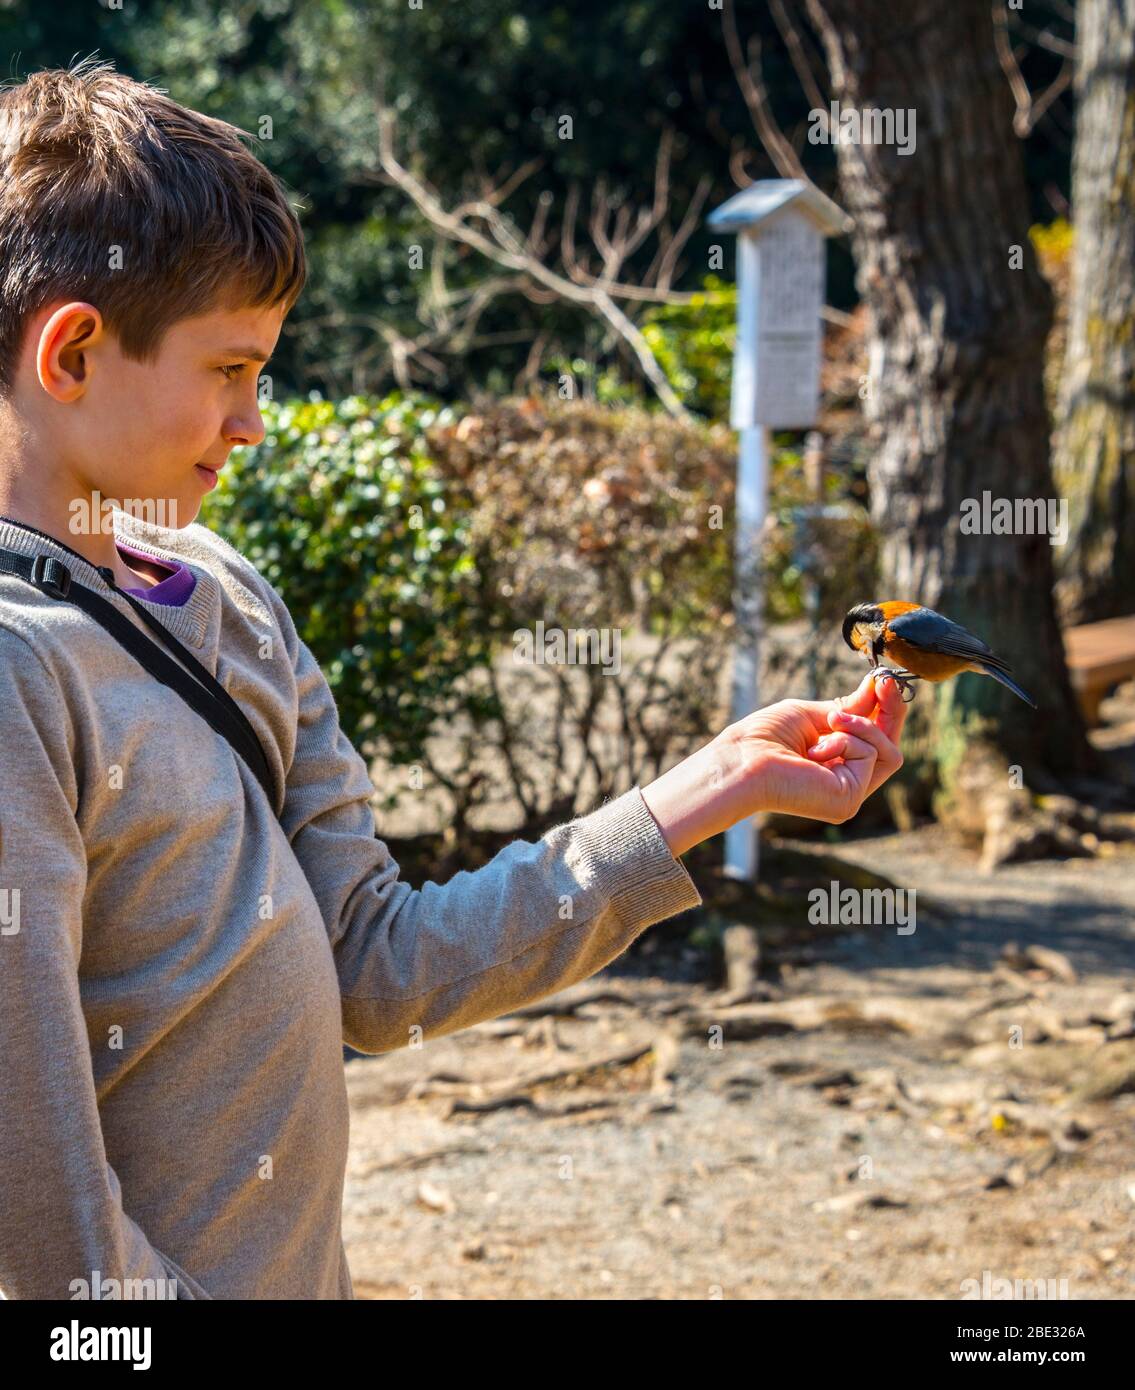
x: 902, y: 679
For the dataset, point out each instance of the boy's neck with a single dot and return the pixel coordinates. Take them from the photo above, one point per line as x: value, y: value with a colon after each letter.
x: 96, y: 547
x: 39, y: 488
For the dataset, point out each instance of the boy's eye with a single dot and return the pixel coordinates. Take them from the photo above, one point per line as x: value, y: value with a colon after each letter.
x: 231, y: 372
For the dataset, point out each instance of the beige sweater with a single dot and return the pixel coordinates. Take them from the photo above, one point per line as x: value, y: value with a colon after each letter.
x: 181, y: 962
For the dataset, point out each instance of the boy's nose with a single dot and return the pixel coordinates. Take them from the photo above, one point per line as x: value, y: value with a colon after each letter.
x: 248, y: 429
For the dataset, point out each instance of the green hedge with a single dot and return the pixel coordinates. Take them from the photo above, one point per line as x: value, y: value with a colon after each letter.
x: 341, y: 509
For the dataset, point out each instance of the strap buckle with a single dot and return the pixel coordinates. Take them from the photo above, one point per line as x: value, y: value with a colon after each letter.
x: 51, y: 576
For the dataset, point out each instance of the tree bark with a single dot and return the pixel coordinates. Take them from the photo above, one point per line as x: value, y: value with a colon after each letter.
x: 1096, y: 446
x: 956, y: 339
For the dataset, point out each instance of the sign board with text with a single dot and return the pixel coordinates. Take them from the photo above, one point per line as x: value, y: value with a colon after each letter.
x: 780, y: 293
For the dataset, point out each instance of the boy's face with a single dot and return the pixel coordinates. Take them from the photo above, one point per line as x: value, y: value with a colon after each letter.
x: 139, y: 430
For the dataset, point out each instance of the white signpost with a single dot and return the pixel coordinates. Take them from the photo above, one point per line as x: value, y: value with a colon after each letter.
x: 781, y: 226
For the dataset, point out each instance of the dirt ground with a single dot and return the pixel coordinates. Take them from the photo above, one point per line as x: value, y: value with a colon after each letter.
x: 887, y: 1115
x: 892, y: 1146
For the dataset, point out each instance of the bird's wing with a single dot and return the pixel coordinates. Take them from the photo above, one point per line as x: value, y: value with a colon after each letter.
x: 929, y: 630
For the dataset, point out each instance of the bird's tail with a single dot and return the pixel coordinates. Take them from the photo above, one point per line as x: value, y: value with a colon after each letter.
x: 1009, y: 682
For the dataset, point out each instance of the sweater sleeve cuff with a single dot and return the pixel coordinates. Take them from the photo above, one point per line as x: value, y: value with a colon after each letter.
x: 633, y: 866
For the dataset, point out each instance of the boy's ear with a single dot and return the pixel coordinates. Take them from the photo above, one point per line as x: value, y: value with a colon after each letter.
x: 61, y: 360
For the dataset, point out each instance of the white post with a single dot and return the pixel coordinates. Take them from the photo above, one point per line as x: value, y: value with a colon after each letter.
x: 742, y: 841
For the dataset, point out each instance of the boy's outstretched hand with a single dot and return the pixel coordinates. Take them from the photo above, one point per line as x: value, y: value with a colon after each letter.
x: 824, y: 758
x: 814, y: 758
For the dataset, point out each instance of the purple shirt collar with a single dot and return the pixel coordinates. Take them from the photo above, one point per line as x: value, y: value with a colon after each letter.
x: 173, y: 591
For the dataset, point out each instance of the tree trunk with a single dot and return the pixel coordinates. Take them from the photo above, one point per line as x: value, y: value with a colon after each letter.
x: 1096, y: 448
x: 957, y: 404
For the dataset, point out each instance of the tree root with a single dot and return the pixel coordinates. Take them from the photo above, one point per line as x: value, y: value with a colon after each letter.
x: 1014, y: 823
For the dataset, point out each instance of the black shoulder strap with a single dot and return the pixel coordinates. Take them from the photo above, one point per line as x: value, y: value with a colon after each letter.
x: 200, y: 690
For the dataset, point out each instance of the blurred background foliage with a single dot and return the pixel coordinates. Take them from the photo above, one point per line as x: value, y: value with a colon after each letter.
x: 341, y: 509
x: 411, y: 531
x: 479, y: 87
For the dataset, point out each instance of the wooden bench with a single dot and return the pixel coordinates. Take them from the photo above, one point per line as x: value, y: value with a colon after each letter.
x: 1100, y: 655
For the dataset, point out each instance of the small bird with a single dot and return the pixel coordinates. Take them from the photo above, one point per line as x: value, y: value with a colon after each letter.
x: 922, y: 645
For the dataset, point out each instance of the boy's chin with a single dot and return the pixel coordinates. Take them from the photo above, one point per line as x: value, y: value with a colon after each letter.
x: 186, y: 515
x: 188, y: 511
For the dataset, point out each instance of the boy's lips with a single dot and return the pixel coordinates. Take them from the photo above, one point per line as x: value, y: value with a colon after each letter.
x: 208, y: 473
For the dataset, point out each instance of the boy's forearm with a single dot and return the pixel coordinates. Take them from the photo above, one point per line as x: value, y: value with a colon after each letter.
x: 414, y: 965
x: 703, y: 795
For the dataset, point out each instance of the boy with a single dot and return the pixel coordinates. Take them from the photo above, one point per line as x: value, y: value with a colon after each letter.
x: 183, y: 948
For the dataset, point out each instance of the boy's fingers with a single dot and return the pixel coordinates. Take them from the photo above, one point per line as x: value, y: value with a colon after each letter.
x: 863, y: 699
x: 854, y: 724
x: 854, y: 763
x: 826, y: 748
x: 892, y: 708
x: 856, y: 772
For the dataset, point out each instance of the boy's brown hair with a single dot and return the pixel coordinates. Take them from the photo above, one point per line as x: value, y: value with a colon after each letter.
x: 91, y: 160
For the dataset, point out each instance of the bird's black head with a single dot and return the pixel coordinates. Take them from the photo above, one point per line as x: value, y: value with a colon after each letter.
x: 863, y: 615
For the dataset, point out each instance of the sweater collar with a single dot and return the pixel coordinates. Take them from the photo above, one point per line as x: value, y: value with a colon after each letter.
x: 189, y: 622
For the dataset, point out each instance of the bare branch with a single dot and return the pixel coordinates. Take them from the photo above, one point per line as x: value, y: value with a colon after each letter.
x: 751, y: 81
x: 531, y: 369
x: 1044, y: 38
x: 673, y: 245
x: 507, y: 249
x: 1059, y: 83
x: 1029, y: 108
x: 793, y: 41
x: 617, y: 230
